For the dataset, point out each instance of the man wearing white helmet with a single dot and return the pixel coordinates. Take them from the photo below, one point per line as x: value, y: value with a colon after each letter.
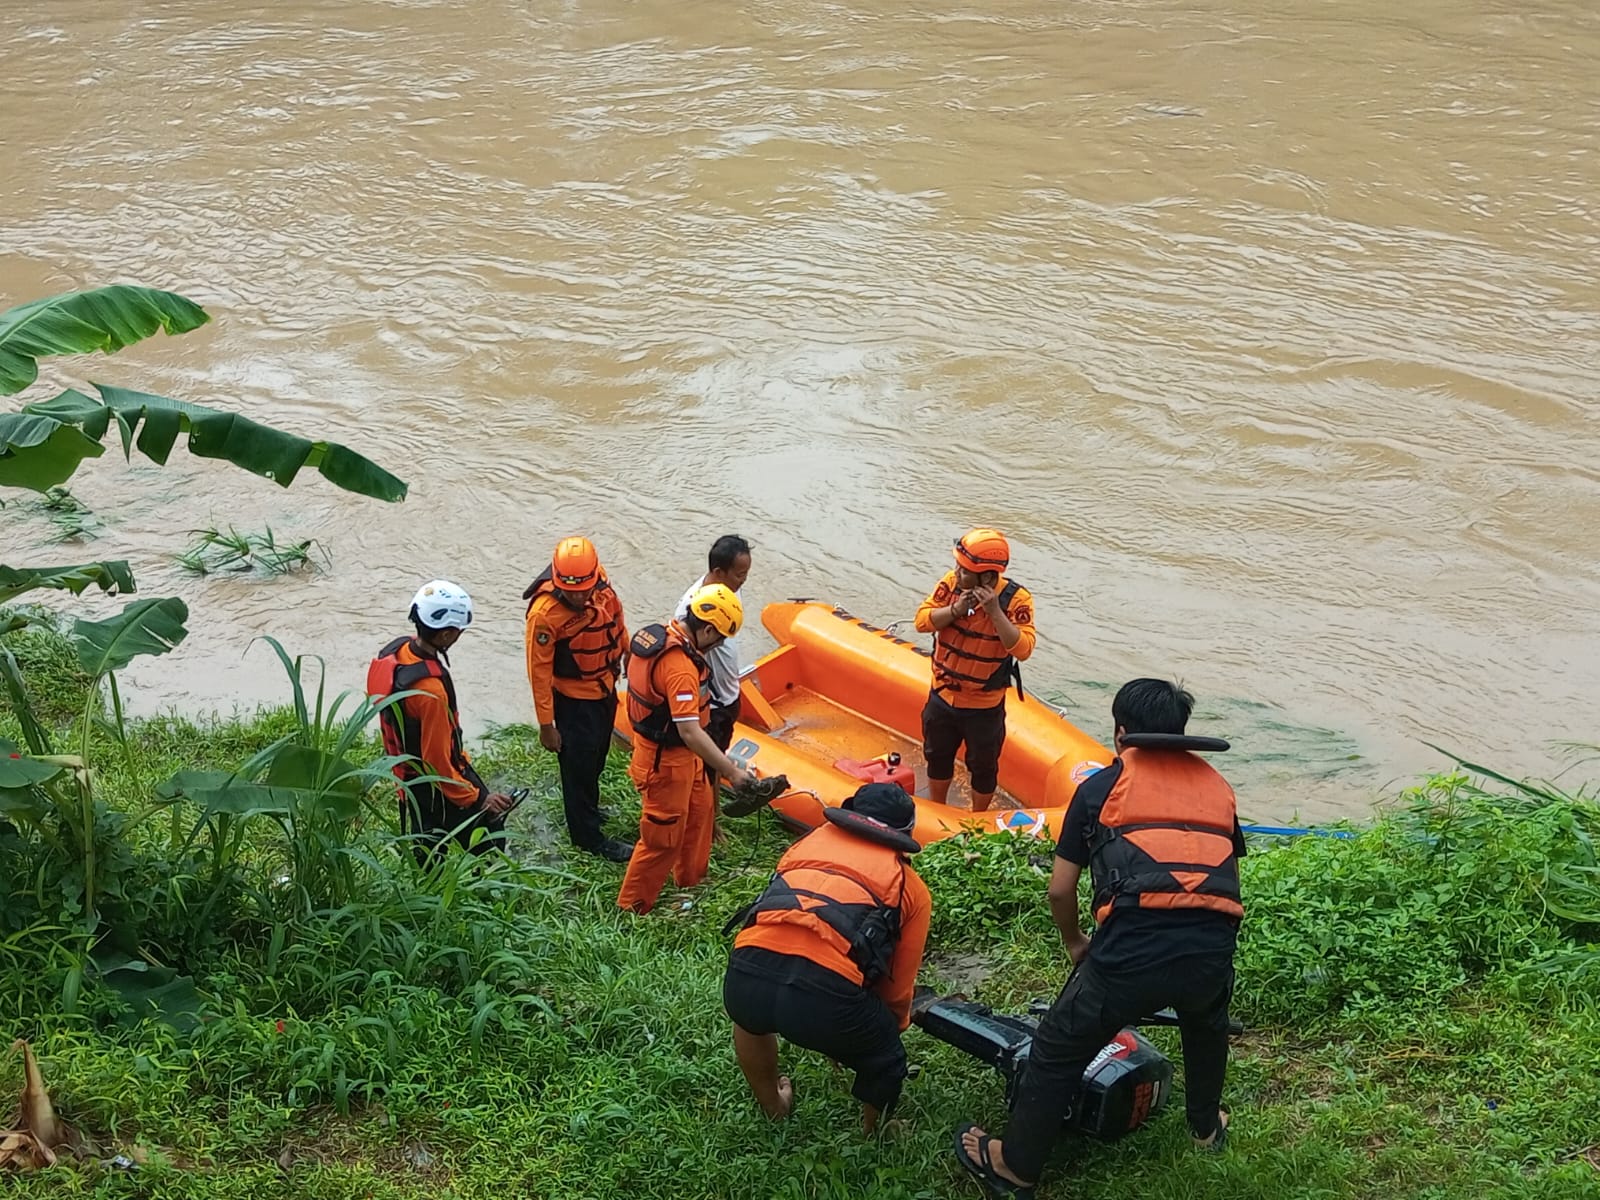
x: 427, y: 727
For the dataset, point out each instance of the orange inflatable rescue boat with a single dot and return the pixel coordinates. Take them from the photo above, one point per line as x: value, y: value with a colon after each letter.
x: 839, y: 703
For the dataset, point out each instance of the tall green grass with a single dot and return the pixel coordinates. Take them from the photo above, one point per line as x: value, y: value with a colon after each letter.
x: 1421, y: 1002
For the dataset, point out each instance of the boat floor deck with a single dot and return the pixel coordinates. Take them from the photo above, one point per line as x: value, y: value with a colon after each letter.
x: 827, y: 731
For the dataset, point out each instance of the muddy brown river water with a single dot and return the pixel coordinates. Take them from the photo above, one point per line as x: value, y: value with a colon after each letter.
x: 1270, y: 333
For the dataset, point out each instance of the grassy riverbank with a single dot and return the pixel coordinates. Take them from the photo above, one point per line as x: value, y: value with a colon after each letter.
x: 1423, y: 1004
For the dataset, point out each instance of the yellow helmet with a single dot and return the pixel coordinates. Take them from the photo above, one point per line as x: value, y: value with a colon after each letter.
x: 718, y: 606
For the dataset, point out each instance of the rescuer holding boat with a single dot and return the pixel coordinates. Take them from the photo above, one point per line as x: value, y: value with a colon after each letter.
x: 669, y: 702
x: 982, y: 626
x: 574, y: 637
x: 1159, y: 833
x: 829, y: 953
x: 427, y: 727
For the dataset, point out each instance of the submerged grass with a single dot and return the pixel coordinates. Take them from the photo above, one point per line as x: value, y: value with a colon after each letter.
x: 1423, y: 1022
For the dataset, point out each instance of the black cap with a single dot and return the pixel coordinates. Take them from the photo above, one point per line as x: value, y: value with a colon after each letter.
x: 880, y: 812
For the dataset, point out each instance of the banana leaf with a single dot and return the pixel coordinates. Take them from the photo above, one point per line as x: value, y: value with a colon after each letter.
x: 112, y: 577
x: 153, y: 424
x: 18, y: 774
x: 107, y: 319
x: 18, y: 769
x: 143, y: 627
x: 300, y: 779
x: 38, y: 452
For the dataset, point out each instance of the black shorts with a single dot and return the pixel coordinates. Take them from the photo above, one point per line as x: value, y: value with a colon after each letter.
x: 944, y: 729
x: 807, y: 1004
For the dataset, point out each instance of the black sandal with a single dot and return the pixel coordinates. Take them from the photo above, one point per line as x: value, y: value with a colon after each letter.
x: 1219, y: 1140
x: 983, y: 1170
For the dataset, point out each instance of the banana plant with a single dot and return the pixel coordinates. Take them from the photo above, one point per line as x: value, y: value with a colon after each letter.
x: 44, y: 444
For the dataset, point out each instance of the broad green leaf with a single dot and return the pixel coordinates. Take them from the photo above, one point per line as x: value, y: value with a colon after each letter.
x: 72, y: 407
x: 318, y: 779
x: 153, y: 424
x: 296, y: 766
x: 112, y: 577
x: 19, y: 770
x: 107, y: 319
x: 158, y: 992
x: 23, y: 802
x: 143, y: 627
x: 219, y: 793
x: 184, y: 783
x: 38, y: 452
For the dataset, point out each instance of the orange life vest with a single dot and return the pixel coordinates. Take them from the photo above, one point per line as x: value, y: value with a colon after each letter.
x: 649, y: 712
x: 1165, y: 837
x: 592, y: 650
x: 399, y: 668
x: 970, y: 658
x: 844, y: 890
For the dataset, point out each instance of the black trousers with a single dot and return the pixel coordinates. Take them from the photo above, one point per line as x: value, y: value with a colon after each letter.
x: 809, y: 1005
x: 719, y: 728
x: 585, y: 729
x: 1090, y: 1011
x: 430, y: 821
x: 719, y: 724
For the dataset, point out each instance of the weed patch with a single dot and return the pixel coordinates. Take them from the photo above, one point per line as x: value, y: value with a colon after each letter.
x: 1418, y: 1021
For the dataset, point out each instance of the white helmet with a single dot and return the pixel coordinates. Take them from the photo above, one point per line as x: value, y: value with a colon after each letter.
x: 442, y: 605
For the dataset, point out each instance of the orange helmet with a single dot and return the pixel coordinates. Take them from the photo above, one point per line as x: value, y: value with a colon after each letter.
x: 983, y: 550
x: 575, y: 567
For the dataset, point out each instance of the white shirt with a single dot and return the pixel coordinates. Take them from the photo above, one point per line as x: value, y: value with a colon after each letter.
x: 723, y: 659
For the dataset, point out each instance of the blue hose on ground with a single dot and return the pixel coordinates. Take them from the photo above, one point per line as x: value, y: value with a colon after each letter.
x: 1289, y: 831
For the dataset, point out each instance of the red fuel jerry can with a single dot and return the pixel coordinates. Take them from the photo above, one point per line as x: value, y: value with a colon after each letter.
x: 886, y: 768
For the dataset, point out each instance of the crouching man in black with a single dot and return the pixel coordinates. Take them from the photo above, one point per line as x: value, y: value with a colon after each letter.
x: 1159, y: 833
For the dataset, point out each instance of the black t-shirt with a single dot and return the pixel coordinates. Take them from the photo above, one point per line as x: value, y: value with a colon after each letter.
x: 1136, y: 939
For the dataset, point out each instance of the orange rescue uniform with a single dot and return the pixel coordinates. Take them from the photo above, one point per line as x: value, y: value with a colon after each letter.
x: 839, y: 866
x: 675, y: 792
x: 577, y: 652
x: 428, y: 726
x: 971, y: 665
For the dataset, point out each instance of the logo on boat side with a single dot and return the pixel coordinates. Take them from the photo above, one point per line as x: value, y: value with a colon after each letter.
x: 742, y: 751
x: 1020, y: 821
x: 1085, y: 769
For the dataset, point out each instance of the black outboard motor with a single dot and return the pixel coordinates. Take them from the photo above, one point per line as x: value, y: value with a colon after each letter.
x: 1127, y: 1083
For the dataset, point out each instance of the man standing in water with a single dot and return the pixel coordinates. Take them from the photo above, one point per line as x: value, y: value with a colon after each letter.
x: 1159, y: 833
x: 982, y: 626
x: 574, y: 637
x: 427, y: 726
x: 729, y: 565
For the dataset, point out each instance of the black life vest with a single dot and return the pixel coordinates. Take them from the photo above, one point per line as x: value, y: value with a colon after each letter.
x: 649, y: 709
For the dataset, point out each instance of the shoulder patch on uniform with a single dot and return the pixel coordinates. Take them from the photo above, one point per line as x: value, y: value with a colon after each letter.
x: 1023, y: 613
